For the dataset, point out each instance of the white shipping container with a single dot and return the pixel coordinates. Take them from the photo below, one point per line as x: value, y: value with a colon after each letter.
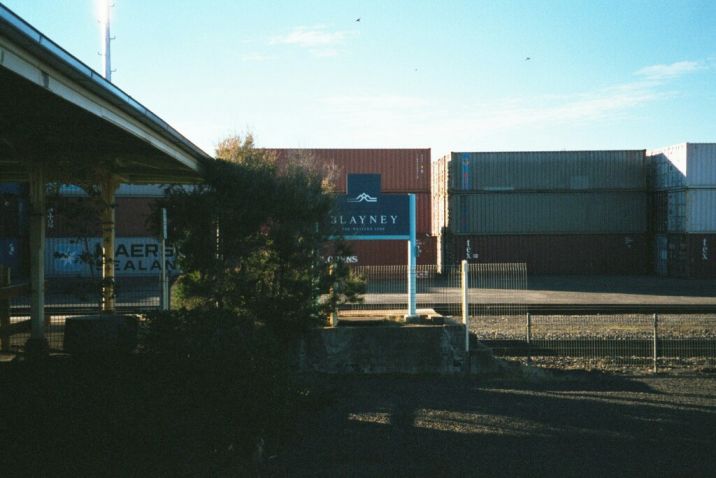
x: 685, y: 165
x: 701, y: 165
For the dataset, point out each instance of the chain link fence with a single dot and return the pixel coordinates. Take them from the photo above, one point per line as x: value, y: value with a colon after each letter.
x: 68, y: 297
x: 615, y: 341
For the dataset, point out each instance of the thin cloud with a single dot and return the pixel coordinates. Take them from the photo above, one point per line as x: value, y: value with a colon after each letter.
x: 255, y: 56
x: 311, y: 37
x: 386, y: 119
x: 667, y: 72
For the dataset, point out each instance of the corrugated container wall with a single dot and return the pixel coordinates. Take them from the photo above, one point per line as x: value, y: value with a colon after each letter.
x: 554, y: 254
x: 401, y: 170
x: 686, y: 255
x: 548, y: 170
x: 131, y: 218
x: 548, y: 213
x: 439, y: 194
x: 388, y: 253
x: 686, y: 165
x: 124, y: 190
x: 134, y: 256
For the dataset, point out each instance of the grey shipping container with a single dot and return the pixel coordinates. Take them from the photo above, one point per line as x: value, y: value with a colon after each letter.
x: 546, y: 170
x: 554, y: 254
x: 548, y: 213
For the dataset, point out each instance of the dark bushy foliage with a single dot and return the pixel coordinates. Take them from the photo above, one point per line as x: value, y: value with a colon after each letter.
x: 250, y: 242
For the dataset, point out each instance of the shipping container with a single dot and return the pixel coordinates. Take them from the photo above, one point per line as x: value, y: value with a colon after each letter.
x: 11, y: 254
x: 78, y: 217
x: 700, y: 210
x: 686, y: 165
x: 14, y: 189
x: 684, y: 211
x: 401, y: 170
x: 554, y: 254
x: 134, y: 256
x: 124, y: 190
x: 686, y: 255
x: 387, y: 253
x: 544, y: 171
x: 11, y: 212
x: 548, y: 213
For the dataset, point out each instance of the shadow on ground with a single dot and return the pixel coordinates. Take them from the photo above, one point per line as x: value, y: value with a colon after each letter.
x: 576, y: 424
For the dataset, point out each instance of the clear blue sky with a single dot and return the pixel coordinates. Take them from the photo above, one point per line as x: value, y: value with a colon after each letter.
x: 451, y: 75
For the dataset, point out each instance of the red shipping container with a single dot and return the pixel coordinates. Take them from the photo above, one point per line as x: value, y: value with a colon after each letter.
x: 388, y: 253
x: 401, y: 170
x: 555, y: 254
x: 131, y: 216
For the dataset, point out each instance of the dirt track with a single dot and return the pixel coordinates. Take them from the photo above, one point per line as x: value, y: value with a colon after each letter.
x: 577, y: 425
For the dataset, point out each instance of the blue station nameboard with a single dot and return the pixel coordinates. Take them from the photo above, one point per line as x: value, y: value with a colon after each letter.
x: 364, y: 213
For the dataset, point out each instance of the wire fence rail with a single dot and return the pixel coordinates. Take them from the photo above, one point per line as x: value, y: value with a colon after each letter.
x: 661, y: 341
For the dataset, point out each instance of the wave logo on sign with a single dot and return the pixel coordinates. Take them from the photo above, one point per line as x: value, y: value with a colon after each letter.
x: 363, y: 197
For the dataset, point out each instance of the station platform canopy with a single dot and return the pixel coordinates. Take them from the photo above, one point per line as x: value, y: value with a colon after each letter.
x: 58, y: 112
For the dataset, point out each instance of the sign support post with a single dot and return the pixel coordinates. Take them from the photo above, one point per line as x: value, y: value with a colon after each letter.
x: 365, y: 214
x: 412, y: 246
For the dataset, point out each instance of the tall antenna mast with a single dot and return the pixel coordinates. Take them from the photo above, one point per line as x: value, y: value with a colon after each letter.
x: 106, y: 50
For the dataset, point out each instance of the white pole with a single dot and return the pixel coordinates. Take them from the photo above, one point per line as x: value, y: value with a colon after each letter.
x: 465, y: 313
x: 412, y: 309
x: 164, y: 278
x: 106, y: 52
x: 655, y: 344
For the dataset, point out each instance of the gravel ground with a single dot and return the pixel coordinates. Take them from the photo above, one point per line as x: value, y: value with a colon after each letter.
x: 575, y: 424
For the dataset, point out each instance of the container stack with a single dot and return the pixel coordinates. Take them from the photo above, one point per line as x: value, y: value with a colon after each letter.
x: 73, y: 230
x: 566, y: 212
x: 683, y: 195
x: 402, y: 171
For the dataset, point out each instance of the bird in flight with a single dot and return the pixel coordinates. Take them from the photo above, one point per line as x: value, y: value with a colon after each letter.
x: 528, y: 58
x: 358, y: 19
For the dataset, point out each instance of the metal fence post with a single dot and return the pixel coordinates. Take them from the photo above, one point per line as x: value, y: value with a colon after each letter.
x: 656, y: 356
x: 529, y: 337
x: 465, y: 312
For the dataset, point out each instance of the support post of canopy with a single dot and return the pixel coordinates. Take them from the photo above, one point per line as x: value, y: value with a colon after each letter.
x: 37, y: 344
x: 108, y: 188
x: 412, y: 254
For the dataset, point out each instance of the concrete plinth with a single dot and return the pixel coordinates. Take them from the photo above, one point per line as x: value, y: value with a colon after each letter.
x: 384, y: 349
x: 99, y: 334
